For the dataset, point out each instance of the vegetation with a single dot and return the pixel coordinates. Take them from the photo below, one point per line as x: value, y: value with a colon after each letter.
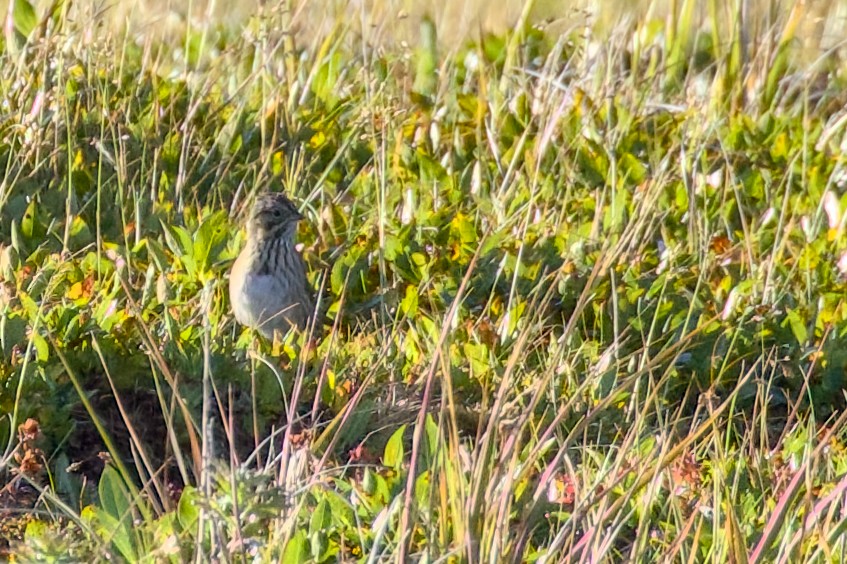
x: 582, y: 294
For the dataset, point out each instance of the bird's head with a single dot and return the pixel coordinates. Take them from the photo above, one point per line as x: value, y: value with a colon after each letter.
x: 273, y: 215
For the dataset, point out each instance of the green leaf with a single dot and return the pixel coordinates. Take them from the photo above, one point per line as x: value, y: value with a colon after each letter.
x: 29, y: 223
x: 409, y: 305
x: 430, y: 169
x: 179, y: 240
x: 321, y: 518
x: 187, y: 510
x: 392, y: 247
x: 297, y: 549
x: 617, y: 211
x: 114, y: 496
x: 432, y: 436
x: 17, y: 238
x: 797, y: 324
x: 42, y: 350
x: 493, y: 241
x: 319, y: 545
x: 80, y: 233
x: 347, y: 262
x: 23, y: 16
x: 632, y: 168
x: 336, y: 278
x: 422, y: 489
x: 382, y: 492
x: 464, y: 229
x: 157, y: 254
x: 325, y: 83
x: 426, y: 61
x: 393, y: 455
x: 37, y: 530
x: 115, y: 512
x: 342, y: 511
x: 368, y: 482
x: 116, y: 532
x: 208, y: 238
x: 477, y: 354
x: 494, y: 48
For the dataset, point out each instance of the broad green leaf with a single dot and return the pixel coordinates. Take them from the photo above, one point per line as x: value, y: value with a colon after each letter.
x: 617, y: 210
x: 37, y: 529
x: 368, y: 482
x: 431, y: 170
x: 493, y: 241
x: 432, y: 436
x: 494, y: 48
x: 115, y: 512
x: 426, y: 61
x: 115, y: 499
x: 319, y: 545
x: 17, y: 238
x: 382, y: 493
x: 321, y: 517
x: 393, y: 246
x: 157, y: 254
x: 29, y: 223
x: 422, y: 489
x: 188, y: 510
x: 336, y: 278
x: 297, y: 549
x: 477, y: 354
x: 464, y: 229
x: 178, y: 239
x: 393, y: 455
x: 42, y: 350
x: 277, y: 162
x: 208, y: 238
x: 632, y: 168
x: 409, y: 305
x: 798, y: 325
x: 339, y: 270
x: 118, y: 533
x: 23, y: 16
x: 325, y: 82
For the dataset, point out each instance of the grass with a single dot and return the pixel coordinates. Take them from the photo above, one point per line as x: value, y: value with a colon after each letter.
x: 583, y: 292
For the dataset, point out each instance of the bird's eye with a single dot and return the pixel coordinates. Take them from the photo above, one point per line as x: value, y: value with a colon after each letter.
x: 277, y: 213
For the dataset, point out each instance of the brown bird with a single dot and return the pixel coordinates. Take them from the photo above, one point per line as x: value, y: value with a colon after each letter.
x: 268, y: 287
